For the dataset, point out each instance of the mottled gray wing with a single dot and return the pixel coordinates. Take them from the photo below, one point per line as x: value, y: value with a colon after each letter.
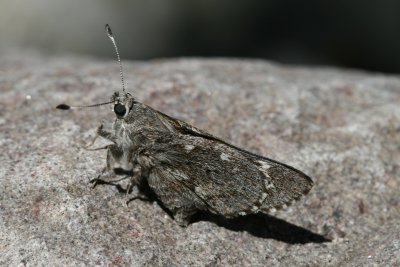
x: 218, y: 176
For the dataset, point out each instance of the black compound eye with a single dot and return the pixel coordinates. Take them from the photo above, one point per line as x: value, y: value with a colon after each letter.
x: 120, y: 110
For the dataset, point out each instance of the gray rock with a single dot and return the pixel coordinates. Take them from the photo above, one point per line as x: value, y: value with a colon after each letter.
x: 341, y: 127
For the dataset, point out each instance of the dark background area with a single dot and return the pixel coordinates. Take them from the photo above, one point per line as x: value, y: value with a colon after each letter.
x: 354, y: 34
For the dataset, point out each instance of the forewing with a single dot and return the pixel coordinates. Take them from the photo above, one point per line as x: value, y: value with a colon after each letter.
x: 178, y: 126
x: 224, y: 179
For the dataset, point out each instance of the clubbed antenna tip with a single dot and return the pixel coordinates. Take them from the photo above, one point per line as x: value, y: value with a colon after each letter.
x: 108, y: 30
x: 111, y: 36
x: 67, y: 107
x: 63, y: 106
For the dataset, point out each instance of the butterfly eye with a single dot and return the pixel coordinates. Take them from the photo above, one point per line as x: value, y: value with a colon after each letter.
x: 120, y: 110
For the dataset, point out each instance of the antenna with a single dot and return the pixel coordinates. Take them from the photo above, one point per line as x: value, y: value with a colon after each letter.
x: 110, y: 35
x: 66, y: 107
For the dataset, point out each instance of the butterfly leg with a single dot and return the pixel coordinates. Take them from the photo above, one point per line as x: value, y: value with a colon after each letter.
x: 111, y: 149
x: 183, y: 215
x: 102, y: 133
x: 133, y: 181
x: 87, y: 147
x: 107, y: 135
x: 114, y: 152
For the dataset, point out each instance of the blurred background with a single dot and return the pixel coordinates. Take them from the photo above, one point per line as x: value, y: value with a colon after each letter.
x: 353, y: 33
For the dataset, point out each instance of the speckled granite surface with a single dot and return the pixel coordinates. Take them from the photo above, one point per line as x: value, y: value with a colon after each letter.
x: 340, y: 127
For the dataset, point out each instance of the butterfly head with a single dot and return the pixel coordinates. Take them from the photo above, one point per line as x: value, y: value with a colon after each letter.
x: 123, y: 102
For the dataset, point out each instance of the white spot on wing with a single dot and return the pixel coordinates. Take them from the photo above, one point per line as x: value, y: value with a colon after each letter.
x: 263, y: 165
x: 189, y: 148
x: 224, y: 156
x: 198, y: 190
x: 268, y: 185
x: 242, y: 213
x: 263, y: 197
x: 254, y: 209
